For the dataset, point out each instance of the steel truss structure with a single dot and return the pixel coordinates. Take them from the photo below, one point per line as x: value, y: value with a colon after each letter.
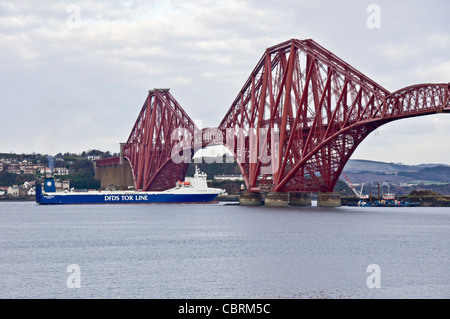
x: 161, y: 128
x: 292, y: 128
x: 321, y: 109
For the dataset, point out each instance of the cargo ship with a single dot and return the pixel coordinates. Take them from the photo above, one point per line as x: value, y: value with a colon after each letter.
x: 192, y: 190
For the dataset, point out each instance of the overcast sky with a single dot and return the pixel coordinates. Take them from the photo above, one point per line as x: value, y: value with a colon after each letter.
x: 74, y: 74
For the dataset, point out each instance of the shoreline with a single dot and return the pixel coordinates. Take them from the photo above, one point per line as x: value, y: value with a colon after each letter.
x: 17, y: 199
x: 423, y: 201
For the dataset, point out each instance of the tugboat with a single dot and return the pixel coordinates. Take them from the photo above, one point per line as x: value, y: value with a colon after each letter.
x: 192, y: 190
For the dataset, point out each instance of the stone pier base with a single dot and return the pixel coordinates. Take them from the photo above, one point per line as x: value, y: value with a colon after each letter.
x: 118, y: 175
x: 329, y: 199
x: 276, y: 199
x: 300, y: 199
x: 250, y: 199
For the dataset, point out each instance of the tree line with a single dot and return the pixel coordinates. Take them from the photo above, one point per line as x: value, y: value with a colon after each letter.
x: 81, y: 170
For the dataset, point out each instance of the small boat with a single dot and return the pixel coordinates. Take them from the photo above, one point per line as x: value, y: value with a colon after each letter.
x: 383, y: 203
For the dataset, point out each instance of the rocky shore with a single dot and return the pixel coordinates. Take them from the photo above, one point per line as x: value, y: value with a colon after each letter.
x: 424, y: 201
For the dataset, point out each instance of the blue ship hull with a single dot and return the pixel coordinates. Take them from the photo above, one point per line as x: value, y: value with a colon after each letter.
x: 55, y: 198
x: 48, y: 199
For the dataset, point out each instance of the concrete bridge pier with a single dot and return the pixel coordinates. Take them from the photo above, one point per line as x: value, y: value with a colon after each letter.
x: 300, y: 199
x: 276, y: 199
x: 250, y: 199
x: 329, y: 199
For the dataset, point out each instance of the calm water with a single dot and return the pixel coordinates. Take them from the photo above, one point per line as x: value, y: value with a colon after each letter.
x: 222, y: 251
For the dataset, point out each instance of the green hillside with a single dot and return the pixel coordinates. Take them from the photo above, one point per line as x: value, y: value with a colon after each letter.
x: 440, y: 174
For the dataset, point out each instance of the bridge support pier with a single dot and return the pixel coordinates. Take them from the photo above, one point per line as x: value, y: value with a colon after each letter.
x: 250, y: 199
x: 300, y: 199
x: 329, y: 199
x: 276, y: 199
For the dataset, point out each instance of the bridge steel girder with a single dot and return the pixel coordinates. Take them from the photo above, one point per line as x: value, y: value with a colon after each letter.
x: 313, y: 110
x: 162, y: 130
x: 292, y: 128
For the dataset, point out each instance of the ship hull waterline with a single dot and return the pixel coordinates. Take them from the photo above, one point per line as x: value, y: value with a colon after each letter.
x: 194, y: 190
x: 117, y: 198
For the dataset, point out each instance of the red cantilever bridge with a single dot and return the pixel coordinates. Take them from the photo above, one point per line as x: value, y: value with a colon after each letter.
x: 292, y: 128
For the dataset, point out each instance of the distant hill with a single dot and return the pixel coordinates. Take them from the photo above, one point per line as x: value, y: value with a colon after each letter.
x: 357, y: 170
x: 401, y: 178
x: 437, y: 173
x: 375, y: 172
x: 359, y: 165
x: 215, y: 166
